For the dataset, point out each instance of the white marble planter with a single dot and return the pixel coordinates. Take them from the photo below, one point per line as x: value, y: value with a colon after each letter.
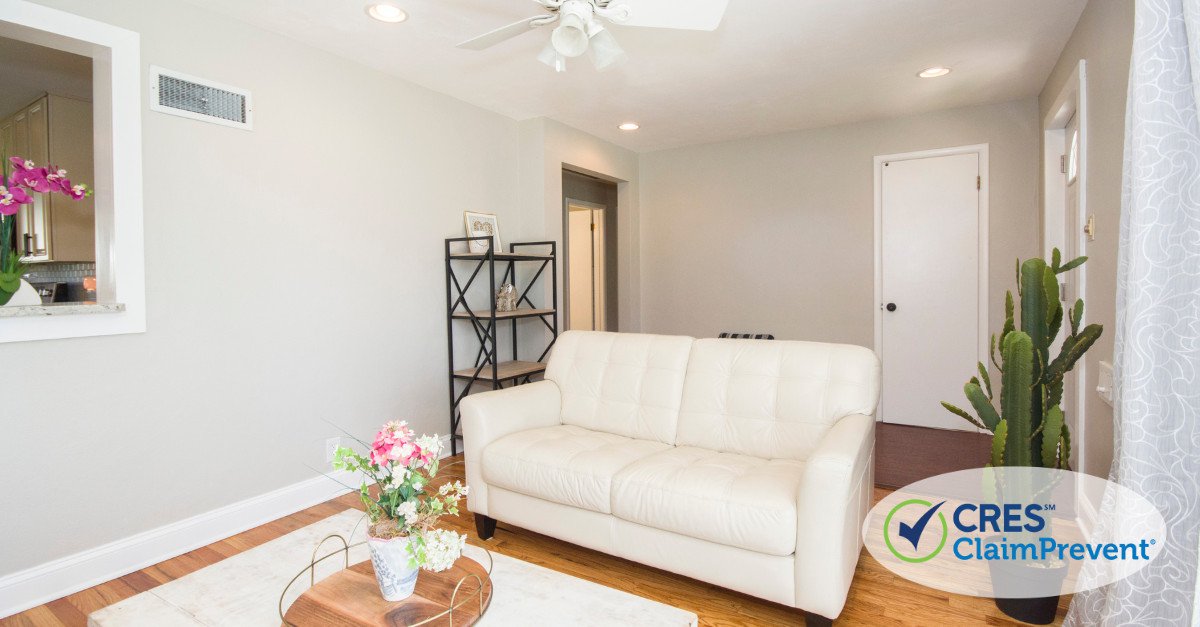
x: 397, y: 579
x: 25, y: 296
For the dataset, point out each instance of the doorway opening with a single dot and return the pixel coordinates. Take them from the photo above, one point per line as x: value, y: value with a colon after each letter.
x: 590, y: 236
x: 1064, y: 203
x: 931, y: 319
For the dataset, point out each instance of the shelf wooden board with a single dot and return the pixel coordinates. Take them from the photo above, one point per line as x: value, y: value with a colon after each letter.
x: 506, y: 370
x: 502, y: 256
x: 505, y: 315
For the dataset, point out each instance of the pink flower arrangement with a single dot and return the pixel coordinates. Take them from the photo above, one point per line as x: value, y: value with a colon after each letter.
x: 396, y: 444
x: 26, y: 177
x: 402, y: 465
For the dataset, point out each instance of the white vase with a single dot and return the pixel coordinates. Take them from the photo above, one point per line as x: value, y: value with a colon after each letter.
x: 25, y: 296
x: 397, y: 578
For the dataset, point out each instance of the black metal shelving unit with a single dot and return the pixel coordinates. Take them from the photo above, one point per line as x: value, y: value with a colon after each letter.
x: 487, y: 368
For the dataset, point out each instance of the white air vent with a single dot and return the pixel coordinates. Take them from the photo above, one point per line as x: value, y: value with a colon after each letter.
x: 199, y: 99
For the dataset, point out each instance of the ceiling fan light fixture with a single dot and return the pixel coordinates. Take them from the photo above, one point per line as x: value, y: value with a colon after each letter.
x: 606, y: 53
x: 386, y: 12
x: 936, y: 71
x: 553, y: 58
x: 570, y: 39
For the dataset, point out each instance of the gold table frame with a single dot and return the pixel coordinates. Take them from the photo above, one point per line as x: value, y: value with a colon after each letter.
x: 345, y: 551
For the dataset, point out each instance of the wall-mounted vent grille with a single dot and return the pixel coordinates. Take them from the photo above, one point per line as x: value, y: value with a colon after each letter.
x: 199, y: 99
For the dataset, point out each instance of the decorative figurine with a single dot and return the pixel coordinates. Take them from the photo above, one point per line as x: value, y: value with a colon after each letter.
x: 506, y: 298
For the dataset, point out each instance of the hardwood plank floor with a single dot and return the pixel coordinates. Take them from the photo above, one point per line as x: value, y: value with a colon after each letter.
x: 877, y: 597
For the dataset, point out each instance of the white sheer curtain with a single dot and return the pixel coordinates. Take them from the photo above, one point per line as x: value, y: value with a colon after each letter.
x: 1157, y: 368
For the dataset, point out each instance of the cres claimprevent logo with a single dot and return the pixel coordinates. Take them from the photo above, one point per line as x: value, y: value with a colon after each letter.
x: 912, y: 534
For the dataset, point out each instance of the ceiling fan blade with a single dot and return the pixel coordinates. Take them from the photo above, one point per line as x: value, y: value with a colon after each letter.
x: 693, y: 15
x: 503, y: 34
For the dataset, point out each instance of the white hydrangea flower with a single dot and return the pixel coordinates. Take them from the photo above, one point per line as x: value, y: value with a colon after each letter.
x: 430, y: 443
x: 408, y: 510
x: 442, y: 548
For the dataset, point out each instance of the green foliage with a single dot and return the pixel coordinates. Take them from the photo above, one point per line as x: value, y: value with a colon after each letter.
x: 1052, y: 427
x: 1030, y: 427
x: 1015, y: 393
x: 982, y: 405
x: 962, y: 413
x: 11, y: 267
x: 998, y: 439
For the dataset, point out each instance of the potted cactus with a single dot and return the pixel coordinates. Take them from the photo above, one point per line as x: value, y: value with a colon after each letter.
x: 1029, y: 428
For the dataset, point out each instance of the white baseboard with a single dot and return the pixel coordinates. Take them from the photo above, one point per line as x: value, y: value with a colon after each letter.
x: 68, y: 575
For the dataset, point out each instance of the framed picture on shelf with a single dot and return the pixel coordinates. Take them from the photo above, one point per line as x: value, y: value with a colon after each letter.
x: 482, y: 225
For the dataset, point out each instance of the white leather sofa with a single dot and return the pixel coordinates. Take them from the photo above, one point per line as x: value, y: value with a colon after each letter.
x: 744, y: 463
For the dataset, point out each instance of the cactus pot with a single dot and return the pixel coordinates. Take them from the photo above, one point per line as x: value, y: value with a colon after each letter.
x: 1036, y: 576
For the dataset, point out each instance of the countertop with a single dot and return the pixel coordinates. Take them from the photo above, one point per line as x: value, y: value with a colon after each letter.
x: 60, y: 309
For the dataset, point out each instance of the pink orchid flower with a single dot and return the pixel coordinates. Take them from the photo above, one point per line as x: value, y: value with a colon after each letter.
x: 57, y: 177
x: 11, y: 199
x: 26, y: 174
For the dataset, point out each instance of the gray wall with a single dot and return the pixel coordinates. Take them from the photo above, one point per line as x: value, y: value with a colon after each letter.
x: 294, y: 274
x: 1104, y: 36
x: 775, y: 234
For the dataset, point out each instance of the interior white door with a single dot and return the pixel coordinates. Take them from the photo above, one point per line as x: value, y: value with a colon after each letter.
x: 929, y: 282
x: 599, y: 278
x: 580, y: 273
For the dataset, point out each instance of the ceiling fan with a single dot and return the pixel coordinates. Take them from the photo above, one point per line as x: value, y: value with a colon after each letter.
x: 581, y: 29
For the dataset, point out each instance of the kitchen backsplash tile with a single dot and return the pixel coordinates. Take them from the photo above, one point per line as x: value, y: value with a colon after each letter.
x: 71, y: 272
x: 63, y: 282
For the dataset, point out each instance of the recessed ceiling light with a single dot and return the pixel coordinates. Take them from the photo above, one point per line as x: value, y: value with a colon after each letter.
x: 934, y: 72
x: 385, y: 12
x: 629, y: 126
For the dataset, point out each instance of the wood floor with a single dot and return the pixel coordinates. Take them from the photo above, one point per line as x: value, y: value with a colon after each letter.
x: 877, y: 597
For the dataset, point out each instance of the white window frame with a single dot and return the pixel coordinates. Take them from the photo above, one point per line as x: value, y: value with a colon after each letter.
x: 117, y: 118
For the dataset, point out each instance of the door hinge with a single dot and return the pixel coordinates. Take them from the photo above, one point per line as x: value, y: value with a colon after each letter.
x: 1062, y: 164
x: 979, y: 182
x: 593, y: 226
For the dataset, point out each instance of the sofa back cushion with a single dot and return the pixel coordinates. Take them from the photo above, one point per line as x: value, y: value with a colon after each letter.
x: 622, y: 383
x: 773, y: 400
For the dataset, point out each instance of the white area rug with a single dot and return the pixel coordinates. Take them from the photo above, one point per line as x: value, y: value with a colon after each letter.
x: 244, y: 589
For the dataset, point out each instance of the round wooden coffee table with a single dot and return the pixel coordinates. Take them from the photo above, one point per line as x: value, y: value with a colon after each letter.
x: 458, y: 596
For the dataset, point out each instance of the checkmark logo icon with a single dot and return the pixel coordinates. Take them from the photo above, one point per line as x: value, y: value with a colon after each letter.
x: 915, y: 531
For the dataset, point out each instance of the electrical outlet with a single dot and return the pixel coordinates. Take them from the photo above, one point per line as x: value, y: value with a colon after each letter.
x: 1104, y: 382
x: 331, y: 447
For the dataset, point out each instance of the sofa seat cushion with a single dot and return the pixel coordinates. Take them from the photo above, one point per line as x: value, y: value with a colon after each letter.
x: 563, y: 464
x: 727, y: 498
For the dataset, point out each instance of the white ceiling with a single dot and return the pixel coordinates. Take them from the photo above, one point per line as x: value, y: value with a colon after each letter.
x: 772, y: 66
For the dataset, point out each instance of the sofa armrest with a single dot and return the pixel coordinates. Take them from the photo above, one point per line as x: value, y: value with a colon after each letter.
x: 489, y: 416
x: 835, y: 495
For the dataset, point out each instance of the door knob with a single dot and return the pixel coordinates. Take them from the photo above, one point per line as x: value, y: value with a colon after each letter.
x: 891, y: 306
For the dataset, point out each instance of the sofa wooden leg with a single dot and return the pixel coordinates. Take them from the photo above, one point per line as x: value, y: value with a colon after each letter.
x: 485, y: 527
x: 816, y: 620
